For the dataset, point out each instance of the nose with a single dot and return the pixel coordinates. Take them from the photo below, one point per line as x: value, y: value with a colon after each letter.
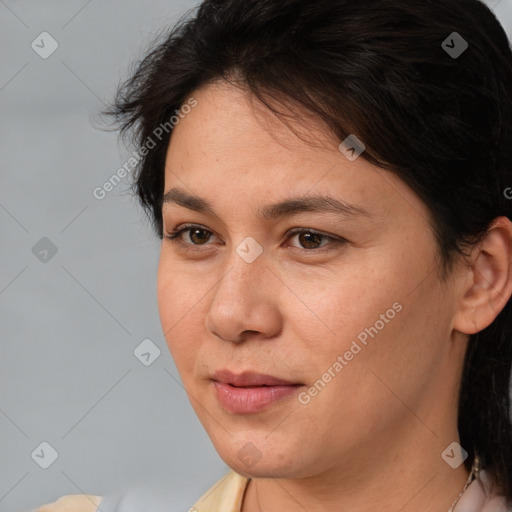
x: 245, y: 302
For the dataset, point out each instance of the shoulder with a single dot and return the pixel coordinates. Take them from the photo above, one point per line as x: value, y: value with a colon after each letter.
x: 494, y: 502
x: 225, y: 496
x: 73, y: 503
x: 481, y: 496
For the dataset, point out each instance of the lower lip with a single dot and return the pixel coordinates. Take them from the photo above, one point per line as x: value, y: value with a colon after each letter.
x: 249, y: 400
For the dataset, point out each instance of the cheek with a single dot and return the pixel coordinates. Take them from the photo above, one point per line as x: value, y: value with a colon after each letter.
x: 395, y: 359
x: 181, y: 318
x: 342, y: 303
x: 374, y: 313
x: 179, y: 292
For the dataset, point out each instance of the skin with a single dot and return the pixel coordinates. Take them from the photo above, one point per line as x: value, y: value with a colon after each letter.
x: 372, y: 438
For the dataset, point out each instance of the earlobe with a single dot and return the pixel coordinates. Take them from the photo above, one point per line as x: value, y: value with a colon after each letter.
x: 488, y: 283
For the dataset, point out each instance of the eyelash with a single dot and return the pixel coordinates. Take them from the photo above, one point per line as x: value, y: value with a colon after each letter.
x: 174, y: 238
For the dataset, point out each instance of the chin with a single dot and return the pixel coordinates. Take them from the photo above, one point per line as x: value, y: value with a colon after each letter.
x: 250, y: 461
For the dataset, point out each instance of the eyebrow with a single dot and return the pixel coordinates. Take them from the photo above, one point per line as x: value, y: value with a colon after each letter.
x: 288, y: 207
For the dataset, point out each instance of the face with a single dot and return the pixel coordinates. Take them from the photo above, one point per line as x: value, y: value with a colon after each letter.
x: 299, y: 295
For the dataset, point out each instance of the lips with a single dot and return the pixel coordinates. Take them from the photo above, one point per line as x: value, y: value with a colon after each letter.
x: 250, y: 392
x: 250, y: 379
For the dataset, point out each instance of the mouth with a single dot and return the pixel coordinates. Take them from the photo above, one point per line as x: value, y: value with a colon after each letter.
x: 250, y: 379
x: 250, y: 392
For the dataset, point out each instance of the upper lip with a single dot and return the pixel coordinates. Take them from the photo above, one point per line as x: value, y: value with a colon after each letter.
x: 249, y: 378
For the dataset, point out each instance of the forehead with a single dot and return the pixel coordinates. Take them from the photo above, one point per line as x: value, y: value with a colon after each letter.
x: 232, y: 147
x: 231, y: 120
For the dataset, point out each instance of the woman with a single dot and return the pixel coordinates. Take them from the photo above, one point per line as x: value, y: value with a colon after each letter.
x: 331, y: 183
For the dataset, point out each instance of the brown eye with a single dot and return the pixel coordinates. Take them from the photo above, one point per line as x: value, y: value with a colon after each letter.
x: 196, y: 236
x: 199, y: 236
x: 310, y: 240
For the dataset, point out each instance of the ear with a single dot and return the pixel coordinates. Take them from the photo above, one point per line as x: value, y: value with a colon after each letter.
x: 488, y: 280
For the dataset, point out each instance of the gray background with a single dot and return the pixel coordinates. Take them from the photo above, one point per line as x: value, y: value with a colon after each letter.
x: 70, y: 323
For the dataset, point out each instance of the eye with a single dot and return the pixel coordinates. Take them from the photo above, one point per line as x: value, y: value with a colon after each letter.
x: 311, y: 240
x: 196, y: 234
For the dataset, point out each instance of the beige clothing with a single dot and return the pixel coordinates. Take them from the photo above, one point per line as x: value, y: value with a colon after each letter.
x: 73, y: 503
x: 478, y: 498
x: 227, y: 495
